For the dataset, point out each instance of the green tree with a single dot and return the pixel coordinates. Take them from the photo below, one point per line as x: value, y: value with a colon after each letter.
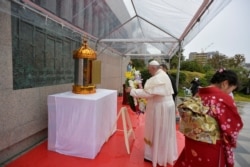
x: 145, y: 75
x: 231, y: 63
x: 239, y: 59
x: 175, y: 60
x: 191, y: 66
x: 217, y: 61
x: 182, y: 78
x: 243, y: 77
x: 208, y: 77
x: 139, y: 64
x: 207, y: 68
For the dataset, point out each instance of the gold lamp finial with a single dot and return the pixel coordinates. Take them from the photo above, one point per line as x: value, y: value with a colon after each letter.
x: 84, y: 52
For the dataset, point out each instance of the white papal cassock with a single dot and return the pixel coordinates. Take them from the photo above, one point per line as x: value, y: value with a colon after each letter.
x: 160, y: 124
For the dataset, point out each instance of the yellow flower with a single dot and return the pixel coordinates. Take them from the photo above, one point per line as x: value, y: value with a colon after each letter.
x: 128, y: 75
x: 142, y: 100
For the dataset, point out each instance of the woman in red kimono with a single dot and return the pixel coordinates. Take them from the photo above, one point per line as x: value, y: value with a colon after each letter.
x: 223, y: 109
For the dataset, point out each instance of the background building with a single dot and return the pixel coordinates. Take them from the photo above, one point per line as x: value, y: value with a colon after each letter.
x: 202, y: 57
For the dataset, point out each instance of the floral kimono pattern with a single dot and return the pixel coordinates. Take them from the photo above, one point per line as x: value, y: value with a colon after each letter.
x: 224, y: 110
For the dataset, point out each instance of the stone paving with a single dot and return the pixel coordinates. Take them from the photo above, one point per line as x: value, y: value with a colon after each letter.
x: 242, y: 152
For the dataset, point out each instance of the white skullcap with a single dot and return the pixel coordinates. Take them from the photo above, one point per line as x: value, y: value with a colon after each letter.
x: 154, y: 63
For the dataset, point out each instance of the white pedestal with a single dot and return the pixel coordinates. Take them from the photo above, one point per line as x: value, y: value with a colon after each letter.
x: 79, y: 125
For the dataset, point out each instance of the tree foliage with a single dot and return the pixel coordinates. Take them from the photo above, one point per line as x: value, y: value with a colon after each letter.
x: 207, y: 68
x: 191, y: 66
x: 175, y: 60
x: 239, y: 59
x: 182, y: 77
x: 221, y: 61
x: 243, y: 77
x: 231, y: 63
x: 217, y: 61
x: 234, y: 62
x: 145, y: 75
x: 208, y: 77
x: 214, y: 63
x: 138, y: 63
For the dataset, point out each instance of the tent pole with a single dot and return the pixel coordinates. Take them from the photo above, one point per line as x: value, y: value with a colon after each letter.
x: 179, y: 65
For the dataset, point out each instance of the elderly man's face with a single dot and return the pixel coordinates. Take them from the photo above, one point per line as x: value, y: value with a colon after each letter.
x: 152, y: 69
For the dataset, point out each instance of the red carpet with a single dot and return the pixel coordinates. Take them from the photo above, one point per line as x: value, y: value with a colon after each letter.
x: 112, y: 154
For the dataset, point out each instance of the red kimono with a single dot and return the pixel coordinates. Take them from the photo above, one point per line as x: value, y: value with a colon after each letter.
x: 201, y: 154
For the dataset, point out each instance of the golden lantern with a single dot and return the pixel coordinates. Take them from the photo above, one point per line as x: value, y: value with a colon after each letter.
x: 87, y: 70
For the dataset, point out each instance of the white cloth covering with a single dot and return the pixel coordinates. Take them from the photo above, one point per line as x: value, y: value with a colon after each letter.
x: 80, y: 124
x: 160, y: 124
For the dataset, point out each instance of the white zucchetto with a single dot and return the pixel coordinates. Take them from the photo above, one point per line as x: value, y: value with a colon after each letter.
x: 154, y: 63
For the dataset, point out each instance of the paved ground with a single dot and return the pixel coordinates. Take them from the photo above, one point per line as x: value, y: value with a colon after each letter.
x: 242, y: 152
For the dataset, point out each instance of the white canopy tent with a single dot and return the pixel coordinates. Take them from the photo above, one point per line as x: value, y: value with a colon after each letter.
x: 135, y: 28
x: 158, y: 28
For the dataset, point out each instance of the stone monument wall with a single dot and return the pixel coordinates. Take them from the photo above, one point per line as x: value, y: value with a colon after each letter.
x: 30, y: 72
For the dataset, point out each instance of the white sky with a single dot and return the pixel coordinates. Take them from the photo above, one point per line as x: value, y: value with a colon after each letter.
x: 228, y: 32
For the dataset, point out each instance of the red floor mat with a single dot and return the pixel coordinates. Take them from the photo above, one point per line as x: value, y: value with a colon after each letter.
x: 112, y: 154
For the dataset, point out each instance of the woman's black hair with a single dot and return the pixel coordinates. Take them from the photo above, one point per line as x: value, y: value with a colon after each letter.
x: 223, y: 75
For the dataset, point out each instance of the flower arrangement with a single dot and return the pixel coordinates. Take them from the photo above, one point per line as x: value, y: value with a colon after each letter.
x: 134, y: 80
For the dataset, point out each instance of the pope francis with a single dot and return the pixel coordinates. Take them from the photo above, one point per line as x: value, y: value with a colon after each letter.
x: 160, y: 125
